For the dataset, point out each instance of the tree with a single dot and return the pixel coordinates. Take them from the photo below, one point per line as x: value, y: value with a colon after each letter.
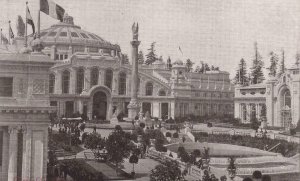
x: 282, y: 65
x: 197, y: 153
x: 257, y: 75
x: 151, y: 56
x: 241, y: 74
x: 273, y: 66
x: 254, y: 123
x: 141, y: 57
x: 168, y: 170
x: 189, y: 65
x: 133, y: 160
x: 95, y: 143
x: 20, y: 26
x: 125, y: 59
x: 206, y: 67
x: 118, y: 146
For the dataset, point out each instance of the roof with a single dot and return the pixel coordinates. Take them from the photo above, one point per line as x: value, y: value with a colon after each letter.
x: 20, y: 57
x: 67, y: 33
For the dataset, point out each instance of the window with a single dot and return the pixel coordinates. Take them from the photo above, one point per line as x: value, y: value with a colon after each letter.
x: 51, y: 83
x: 84, y: 35
x: 66, y: 56
x: 149, y: 89
x: 162, y: 93
x: 6, y: 86
x: 53, y: 103
x: 61, y: 57
x: 65, y: 82
x: 287, y: 99
x: 74, y: 34
x: 108, y: 78
x: 63, y: 34
x: 80, y: 80
x: 244, y: 112
x: 122, y: 83
x: 52, y: 33
x: 94, y: 76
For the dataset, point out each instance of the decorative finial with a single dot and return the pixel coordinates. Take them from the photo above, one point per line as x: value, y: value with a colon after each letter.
x: 9, y: 21
x: 26, y: 2
x: 135, y: 31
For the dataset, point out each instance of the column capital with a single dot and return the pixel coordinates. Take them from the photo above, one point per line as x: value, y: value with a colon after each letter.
x: 135, y: 43
x: 16, y: 129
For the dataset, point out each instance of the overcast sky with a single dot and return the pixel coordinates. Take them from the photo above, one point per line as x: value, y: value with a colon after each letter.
x: 219, y: 32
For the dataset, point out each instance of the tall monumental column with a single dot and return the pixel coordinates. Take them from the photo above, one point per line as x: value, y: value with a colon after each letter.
x: 133, y: 106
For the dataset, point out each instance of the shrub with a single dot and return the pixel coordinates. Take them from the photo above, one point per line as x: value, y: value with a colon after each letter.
x: 175, y: 135
x: 168, y: 134
x: 209, y: 124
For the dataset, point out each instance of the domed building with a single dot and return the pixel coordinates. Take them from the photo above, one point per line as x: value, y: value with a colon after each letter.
x: 90, y: 77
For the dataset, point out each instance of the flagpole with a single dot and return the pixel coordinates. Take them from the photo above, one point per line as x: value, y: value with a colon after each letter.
x: 25, y: 44
x: 9, y: 32
x: 1, y: 37
x: 39, y: 19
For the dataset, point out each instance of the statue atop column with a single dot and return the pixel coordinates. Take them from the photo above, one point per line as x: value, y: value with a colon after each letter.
x: 134, y: 107
x: 135, y: 31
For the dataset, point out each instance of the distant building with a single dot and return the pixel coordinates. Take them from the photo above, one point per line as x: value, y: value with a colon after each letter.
x: 90, y: 77
x: 277, y: 100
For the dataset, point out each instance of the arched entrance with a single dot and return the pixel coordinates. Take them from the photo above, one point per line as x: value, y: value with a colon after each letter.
x: 99, y: 105
x: 286, y: 104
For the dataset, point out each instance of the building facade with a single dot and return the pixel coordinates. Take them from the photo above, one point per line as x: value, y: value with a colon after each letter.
x: 24, y: 115
x: 276, y: 100
x: 90, y: 77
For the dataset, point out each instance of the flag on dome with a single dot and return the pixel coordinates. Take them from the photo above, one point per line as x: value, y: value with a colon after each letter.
x: 11, y: 33
x: 52, y: 9
x: 29, y: 20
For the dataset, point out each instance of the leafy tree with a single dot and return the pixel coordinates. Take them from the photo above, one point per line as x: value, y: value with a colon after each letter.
x: 180, y: 151
x: 274, y: 61
x: 118, y: 146
x: 20, y: 26
x: 257, y: 75
x: 168, y: 170
x: 189, y: 65
x: 133, y: 160
x: 95, y: 143
x: 241, y: 74
x: 141, y: 57
x: 197, y: 152
x: 160, y: 59
x: 282, y: 65
x: 197, y: 69
x: 125, y: 59
x: 206, y: 67
x: 151, y: 56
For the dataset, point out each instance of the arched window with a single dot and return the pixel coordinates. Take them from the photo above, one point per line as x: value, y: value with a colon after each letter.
x: 108, y: 78
x: 287, y: 99
x: 65, y: 82
x: 51, y: 83
x: 122, y: 83
x: 94, y: 76
x: 149, y: 89
x: 80, y: 80
x: 162, y: 93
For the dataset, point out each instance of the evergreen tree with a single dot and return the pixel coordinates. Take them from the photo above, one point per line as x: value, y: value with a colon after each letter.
x: 160, y: 59
x: 273, y: 66
x: 297, y: 59
x: 189, y: 65
x: 257, y: 75
x: 20, y: 27
x: 151, y: 56
x: 282, y: 65
x: 241, y: 74
x: 141, y: 57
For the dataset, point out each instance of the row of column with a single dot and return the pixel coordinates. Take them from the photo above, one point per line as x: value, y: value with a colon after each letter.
x: 247, y: 109
x: 34, y: 154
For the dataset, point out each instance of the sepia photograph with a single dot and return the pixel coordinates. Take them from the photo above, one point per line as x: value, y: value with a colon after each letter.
x: 150, y: 90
